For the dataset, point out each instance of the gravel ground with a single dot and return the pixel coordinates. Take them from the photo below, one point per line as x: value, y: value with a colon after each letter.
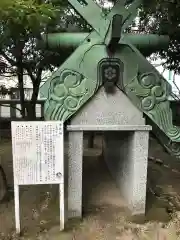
x: 105, y: 215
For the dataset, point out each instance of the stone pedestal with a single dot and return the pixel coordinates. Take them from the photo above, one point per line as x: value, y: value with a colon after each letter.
x: 75, y: 155
x: 126, y: 154
x: 126, y: 147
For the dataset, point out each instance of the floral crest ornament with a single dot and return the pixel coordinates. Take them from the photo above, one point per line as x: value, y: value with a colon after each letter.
x: 110, y: 73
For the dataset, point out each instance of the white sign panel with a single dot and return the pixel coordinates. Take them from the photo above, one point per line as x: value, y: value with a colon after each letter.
x: 38, y: 152
x: 38, y: 158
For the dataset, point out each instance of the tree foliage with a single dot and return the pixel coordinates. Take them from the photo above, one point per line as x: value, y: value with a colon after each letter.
x: 162, y: 17
x: 21, y: 24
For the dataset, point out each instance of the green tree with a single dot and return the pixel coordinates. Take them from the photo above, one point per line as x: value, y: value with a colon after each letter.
x: 21, y: 23
x: 162, y: 17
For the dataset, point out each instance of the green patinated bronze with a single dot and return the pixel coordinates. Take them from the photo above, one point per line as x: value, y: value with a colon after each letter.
x: 146, y: 43
x: 76, y: 81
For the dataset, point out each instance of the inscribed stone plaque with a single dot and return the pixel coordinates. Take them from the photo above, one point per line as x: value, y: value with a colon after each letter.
x: 38, y: 152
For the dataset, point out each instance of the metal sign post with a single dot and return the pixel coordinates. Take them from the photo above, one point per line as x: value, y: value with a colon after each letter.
x: 38, y: 158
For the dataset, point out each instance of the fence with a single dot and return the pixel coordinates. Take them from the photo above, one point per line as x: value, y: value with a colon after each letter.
x: 9, y: 109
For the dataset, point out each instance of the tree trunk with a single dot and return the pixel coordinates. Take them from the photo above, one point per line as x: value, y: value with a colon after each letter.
x: 20, y: 74
x: 31, y: 106
x: 31, y: 111
x: 21, y: 89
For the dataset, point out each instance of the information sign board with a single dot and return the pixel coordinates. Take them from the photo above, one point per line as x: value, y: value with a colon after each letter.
x: 38, y: 158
